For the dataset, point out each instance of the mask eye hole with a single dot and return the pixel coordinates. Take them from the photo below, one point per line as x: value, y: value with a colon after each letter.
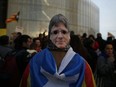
x: 62, y: 31
x: 54, y: 32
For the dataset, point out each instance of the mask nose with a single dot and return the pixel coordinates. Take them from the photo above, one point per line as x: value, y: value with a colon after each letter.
x: 60, y: 34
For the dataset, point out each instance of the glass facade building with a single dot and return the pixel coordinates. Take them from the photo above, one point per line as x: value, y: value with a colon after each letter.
x: 35, y: 15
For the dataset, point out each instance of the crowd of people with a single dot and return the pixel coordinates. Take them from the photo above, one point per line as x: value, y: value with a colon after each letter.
x: 61, y: 58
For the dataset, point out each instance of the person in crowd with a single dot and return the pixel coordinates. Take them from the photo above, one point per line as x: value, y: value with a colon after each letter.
x: 44, y: 42
x: 58, y: 65
x: 38, y: 44
x: 19, y: 34
x: 84, y: 38
x: 72, y: 33
x: 95, y: 45
x: 4, y: 46
x: 21, y: 45
x: 31, y: 51
x: 110, y: 37
x: 79, y: 48
x: 6, y: 74
x: 14, y: 37
x: 43, y: 39
x: 100, y: 41
x: 89, y: 46
x: 106, y: 66
x: 114, y: 44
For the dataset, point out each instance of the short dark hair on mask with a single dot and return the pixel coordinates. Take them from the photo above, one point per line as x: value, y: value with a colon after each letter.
x: 59, y: 18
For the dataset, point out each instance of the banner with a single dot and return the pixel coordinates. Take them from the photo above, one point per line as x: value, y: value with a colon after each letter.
x: 19, y: 29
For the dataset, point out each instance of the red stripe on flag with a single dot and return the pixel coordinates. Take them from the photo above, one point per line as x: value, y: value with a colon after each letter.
x: 25, y: 77
x: 89, y: 80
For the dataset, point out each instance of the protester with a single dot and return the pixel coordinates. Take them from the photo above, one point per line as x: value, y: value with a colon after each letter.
x: 106, y: 67
x: 5, y: 51
x: 100, y: 41
x: 22, y: 44
x: 38, y: 44
x: 4, y: 46
x: 58, y: 65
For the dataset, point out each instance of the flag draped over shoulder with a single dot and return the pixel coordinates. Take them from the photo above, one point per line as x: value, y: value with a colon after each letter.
x: 42, y: 71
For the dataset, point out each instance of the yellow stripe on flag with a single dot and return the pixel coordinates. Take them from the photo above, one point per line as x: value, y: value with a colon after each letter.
x: 2, y: 32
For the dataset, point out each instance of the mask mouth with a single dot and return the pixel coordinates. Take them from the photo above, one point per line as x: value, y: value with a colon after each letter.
x: 52, y: 47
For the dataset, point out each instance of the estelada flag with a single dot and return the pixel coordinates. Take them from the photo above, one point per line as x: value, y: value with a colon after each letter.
x: 14, y: 17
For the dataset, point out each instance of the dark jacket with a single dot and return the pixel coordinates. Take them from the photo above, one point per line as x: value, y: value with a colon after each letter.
x: 106, y: 70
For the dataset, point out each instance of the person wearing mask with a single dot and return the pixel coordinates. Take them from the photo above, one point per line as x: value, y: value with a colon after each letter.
x: 58, y: 65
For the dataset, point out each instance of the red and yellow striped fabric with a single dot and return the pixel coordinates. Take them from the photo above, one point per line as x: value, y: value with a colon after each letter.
x: 87, y: 82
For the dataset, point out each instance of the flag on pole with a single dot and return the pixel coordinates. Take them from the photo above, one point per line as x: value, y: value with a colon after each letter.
x: 14, y: 17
